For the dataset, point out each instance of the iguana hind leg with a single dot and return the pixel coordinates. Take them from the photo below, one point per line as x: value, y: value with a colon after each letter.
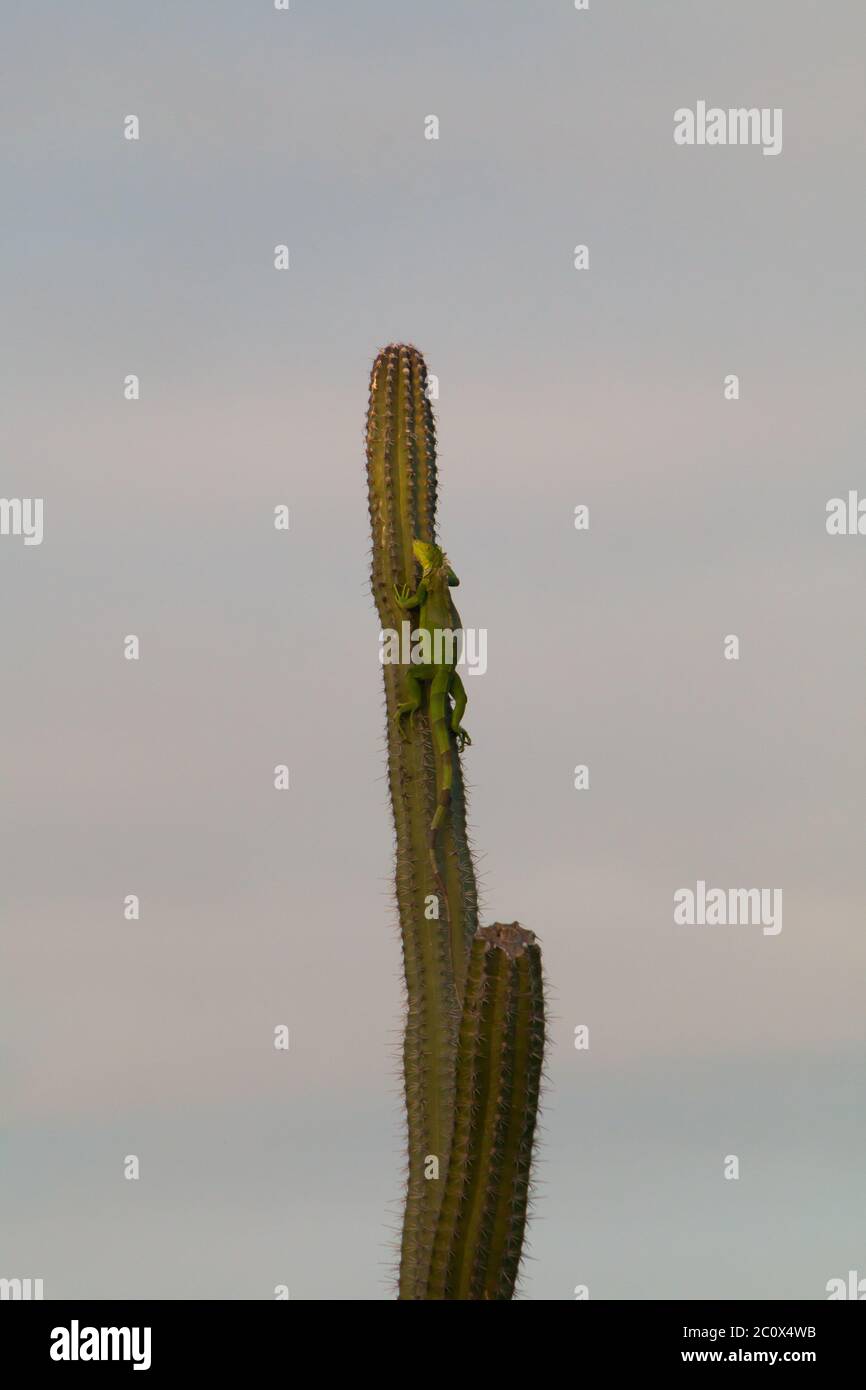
x: 458, y: 692
x: 407, y: 708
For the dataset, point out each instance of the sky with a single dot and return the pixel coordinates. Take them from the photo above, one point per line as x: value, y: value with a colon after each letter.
x: 558, y: 387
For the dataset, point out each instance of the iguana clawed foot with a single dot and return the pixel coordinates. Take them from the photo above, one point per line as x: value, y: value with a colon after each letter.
x: 462, y: 738
x: 402, y: 592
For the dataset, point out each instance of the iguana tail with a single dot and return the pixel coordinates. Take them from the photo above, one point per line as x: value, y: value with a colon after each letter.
x: 444, y: 772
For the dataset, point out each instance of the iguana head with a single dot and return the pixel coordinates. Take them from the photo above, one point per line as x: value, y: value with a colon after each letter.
x: 433, y: 561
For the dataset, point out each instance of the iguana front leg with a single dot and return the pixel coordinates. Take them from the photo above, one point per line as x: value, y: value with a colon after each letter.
x: 406, y: 599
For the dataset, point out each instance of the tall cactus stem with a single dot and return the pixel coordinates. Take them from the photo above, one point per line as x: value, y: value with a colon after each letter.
x: 402, y: 484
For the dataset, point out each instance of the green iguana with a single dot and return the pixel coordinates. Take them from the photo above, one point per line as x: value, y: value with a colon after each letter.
x: 437, y: 615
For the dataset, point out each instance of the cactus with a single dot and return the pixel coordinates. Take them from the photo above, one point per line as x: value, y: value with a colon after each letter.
x: 479, y: 1239
x: 439, y: 952
x: 401, y: 465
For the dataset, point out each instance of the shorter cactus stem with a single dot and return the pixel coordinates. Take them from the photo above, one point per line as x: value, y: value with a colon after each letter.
x: 479, y: 1237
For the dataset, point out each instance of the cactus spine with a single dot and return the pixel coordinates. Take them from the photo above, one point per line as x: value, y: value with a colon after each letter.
x: 475, y: 1021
